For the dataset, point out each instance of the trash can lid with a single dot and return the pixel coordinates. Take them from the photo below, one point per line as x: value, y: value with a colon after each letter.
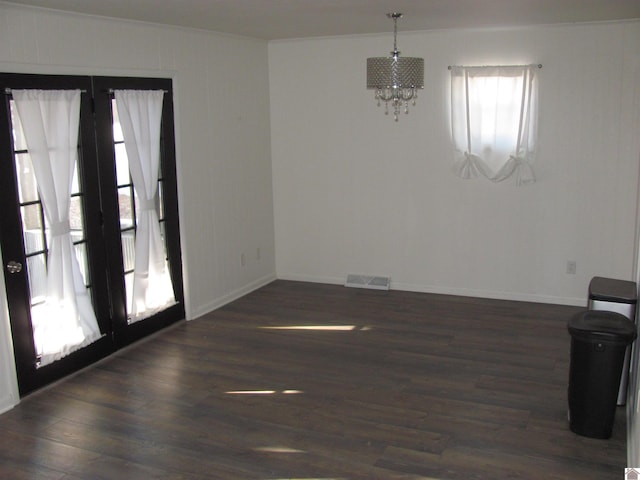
x: 602, y: 325
x: 612, y: 290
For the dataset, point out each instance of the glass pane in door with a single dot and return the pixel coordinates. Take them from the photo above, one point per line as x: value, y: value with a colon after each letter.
x: 128, y: 206
x: 36, y: 236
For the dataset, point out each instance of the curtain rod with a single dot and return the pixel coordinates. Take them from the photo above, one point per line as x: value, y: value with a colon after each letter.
x: 110, y: 91
x: 7, y: 91
x: 493, y: 66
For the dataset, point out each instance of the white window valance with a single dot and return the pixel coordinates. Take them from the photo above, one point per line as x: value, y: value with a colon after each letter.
x: 494, y: 121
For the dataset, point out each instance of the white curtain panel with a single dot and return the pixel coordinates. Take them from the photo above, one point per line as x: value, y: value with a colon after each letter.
x: 50, y: 121
x: 494, y: 122
x: 140, y: 113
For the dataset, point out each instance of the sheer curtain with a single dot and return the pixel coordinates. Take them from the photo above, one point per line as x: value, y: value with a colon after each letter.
x: 50, y: 121
x: 140, y: 113
x: 494, y: 122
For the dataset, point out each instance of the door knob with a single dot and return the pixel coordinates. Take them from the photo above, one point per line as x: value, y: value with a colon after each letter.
x: 14, y: 267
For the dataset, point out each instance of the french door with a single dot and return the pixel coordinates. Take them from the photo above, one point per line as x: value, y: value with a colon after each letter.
x: 104, y: 214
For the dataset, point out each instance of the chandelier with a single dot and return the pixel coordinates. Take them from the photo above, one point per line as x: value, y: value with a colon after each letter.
x: 395, y: 79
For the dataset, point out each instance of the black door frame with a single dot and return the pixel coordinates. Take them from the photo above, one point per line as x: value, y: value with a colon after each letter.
x: 124, y: 334
x: 96, y: 167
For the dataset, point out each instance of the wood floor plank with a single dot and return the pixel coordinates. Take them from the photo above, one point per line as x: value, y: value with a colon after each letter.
x: 299, y: 380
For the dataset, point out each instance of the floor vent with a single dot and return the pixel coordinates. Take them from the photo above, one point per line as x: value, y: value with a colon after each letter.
x: 365, y: 281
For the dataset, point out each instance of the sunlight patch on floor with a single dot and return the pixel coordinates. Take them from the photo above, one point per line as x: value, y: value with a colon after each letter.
x: 251, y: 392
x: 263, y: 392
x: 337, y: 328
x: 323, y: 328
x: 276, y: 449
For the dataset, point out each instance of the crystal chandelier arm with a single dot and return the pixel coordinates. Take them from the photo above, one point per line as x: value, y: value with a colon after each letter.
x: 402, y: 94
x: 385, y: 94
x: 406, y: 93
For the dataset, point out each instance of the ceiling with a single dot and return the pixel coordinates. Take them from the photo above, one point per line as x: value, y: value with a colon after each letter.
x: 281, y: 19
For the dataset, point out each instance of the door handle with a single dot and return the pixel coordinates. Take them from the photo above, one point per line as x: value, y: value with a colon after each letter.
x: 14, y: 267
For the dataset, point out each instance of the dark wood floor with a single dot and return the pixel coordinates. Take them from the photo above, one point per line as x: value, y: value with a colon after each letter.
x: 390, y: 385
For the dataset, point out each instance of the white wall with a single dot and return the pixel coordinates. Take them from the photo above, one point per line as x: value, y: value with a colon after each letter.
x: 9, y: 395
x: 221, y: 98
x: 355, y: 192
x: 633, y: 396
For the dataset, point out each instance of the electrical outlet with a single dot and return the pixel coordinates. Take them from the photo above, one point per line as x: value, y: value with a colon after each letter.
x: 258, y: 253
x: 571, y: 267
x: 242, y: 260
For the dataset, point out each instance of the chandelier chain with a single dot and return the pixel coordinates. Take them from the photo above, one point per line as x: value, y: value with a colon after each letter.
x: 395, y: 17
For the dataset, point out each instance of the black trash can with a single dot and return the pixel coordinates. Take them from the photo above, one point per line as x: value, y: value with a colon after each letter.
x: 599, y: 340
x: 618, y: 296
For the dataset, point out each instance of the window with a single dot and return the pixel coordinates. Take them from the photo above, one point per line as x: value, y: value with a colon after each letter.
x: 494, y: 122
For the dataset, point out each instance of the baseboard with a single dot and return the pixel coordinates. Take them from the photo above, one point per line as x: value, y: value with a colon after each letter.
x: 312, y: 279
x: 231, y: 296
x: 7, y: 402
x: 512, y: 296
x: 464, y: 292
